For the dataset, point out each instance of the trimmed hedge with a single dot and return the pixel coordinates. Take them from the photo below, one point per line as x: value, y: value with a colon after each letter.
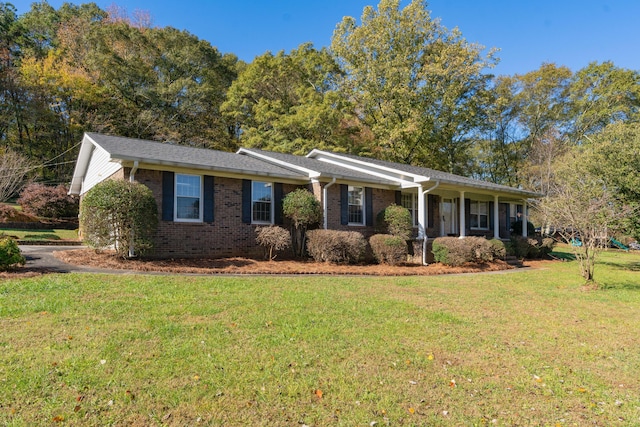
x: 10, y: 255
x: 454, y: 252
x: 388, y: 249
x: 340, y: 247
x: 397, y: 220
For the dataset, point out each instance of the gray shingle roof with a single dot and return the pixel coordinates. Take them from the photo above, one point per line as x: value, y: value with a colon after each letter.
x: 179, y: 155
x: 440, y: 175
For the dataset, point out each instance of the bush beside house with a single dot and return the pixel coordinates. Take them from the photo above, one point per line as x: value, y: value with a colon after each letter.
x: 340, y: 247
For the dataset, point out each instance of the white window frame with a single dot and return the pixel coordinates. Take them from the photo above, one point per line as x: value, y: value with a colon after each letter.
x: 177, y: 195
x: 253, y: 200
x: 475, y: 211
x: 413, y: 209
x: 362, y: 204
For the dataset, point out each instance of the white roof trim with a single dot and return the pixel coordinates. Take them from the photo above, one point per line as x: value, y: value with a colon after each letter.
x: 281, y: 163
x: 365, y: 167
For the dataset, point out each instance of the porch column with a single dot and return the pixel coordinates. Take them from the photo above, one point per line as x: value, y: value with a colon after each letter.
x: 496, y: 218
x: 422, y: 213
x: 525, y: 220
x: 463, y: 225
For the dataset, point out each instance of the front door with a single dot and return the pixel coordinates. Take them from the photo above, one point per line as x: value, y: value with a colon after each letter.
x: 448, y: 225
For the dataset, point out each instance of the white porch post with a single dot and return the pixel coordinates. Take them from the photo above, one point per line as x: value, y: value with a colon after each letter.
x: 525, y: 220
x: 422, y: 213
x: 496, y: 218
x: 463, y: 225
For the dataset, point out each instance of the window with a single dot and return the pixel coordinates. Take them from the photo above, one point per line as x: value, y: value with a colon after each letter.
x: 188, y: 206
x: 479, y: 215
x: 410, y: 201
x: 356, y: 205
x: 261, y: 206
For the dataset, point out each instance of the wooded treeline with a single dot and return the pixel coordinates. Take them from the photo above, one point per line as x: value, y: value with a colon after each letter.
x: 396, y: 85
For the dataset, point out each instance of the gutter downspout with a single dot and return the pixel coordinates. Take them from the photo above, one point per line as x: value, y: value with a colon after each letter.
x: 424, y: 240
x: 132, y: 175
x: 325, y: 208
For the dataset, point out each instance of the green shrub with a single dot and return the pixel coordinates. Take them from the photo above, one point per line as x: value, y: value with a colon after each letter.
x: 48, y: 202
x: 388, y: 249
x: 398, y: 221
x: 305, y: 211
x: 119, y: 214
x: 531, y: 247
x: 498, y: 248
x: 454, y: 252
x: 340, y: 247
x: 273, y: 238
x: 10, y: 255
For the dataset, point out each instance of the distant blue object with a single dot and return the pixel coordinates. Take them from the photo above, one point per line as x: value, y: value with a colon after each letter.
x: 575, y: 242
x: 620, y: 245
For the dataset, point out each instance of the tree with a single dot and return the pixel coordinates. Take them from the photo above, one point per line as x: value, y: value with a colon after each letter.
x: 304, y: 210
x: 583, y: 209
x: 288, y: 103
x: 602, y: 94
x: 14, y: 170
x: 617, y: 161
x: 418, y: 86
x: 121, y: 214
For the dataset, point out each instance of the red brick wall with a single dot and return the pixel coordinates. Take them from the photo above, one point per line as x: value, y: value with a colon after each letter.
x: 227, y: 236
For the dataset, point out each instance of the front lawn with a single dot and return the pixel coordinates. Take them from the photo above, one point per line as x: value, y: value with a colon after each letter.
x: 41, y: 234
x: 525, y: 348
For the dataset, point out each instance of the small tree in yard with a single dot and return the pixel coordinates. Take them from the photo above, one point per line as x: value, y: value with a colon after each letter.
x: 121, y: 214
x: 582, y: 208
x: 304, y: 210
x: 273, y: 238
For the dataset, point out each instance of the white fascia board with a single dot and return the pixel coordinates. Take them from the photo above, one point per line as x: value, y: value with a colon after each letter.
x: 391, y: 178
x: 364, y: 166
x: 281, y: 163
x: 82, y: 163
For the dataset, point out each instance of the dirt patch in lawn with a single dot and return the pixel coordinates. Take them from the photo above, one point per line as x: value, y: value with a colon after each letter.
x: 108, y: 260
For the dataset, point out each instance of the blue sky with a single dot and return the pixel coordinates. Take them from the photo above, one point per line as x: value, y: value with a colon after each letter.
x: 528, y: 33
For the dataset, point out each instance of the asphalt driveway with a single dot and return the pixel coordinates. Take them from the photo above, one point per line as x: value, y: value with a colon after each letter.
x: 40, y: 258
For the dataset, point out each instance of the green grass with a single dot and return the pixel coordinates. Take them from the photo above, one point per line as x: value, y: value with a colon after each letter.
x: 46, y: 234
x: 524, y: 348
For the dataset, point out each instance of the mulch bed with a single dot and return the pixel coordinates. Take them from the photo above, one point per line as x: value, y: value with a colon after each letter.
x: 108, y: 260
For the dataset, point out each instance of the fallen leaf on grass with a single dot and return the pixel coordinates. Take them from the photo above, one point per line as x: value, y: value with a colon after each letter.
x: 412, y: 411
x: 76, y: 408
x: 58, y: 419
x: 318, y: 393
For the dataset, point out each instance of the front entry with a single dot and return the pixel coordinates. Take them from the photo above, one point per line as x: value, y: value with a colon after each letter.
x: 448, y: 225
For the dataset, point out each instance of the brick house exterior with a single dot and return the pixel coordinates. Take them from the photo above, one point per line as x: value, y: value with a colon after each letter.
x: 210, y: 202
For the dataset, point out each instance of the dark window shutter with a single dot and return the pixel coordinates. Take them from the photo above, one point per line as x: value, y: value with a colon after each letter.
x: 207, y: 214
x: 399, y: 198
x: 467, y: 214
x: 246, y: 201
x: 167, y: 195
x: 344, y: 204
x: 491, y: 227
x: 431, y: 206
x: 278, y: 194
x: 368, y: 200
